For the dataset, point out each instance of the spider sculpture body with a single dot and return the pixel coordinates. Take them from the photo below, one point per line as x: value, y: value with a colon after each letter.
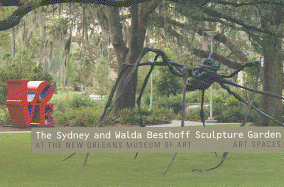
x: 200, y: 78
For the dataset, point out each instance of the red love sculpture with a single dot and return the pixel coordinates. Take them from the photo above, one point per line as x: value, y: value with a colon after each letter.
x: 27, y: 102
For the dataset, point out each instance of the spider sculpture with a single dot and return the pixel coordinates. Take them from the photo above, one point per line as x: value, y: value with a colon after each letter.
x: 200, y: 78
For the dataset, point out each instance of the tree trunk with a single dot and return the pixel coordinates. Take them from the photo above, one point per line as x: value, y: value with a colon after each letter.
x: 273, y: 69
x: 13, y: 43
x: 119, y: 46
x: 139, y: 17
x: 273, y: 81
x: 43, y: 40
x: 128, y: 97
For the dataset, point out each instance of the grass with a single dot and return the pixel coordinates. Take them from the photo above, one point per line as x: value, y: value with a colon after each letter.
x: 20, y: 167
x: 62, y: 95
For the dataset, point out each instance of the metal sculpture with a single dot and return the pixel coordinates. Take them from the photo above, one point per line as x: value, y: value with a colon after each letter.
x: 200, y: 78
x: 28, y: 103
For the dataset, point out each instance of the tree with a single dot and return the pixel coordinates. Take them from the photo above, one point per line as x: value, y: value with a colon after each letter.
x: 139, y: 17
x: 101, y: 76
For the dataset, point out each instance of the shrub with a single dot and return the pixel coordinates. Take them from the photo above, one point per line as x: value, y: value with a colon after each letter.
x: 166, y: 83
x: 129, y: 116
x: 77, y: 117
x: 60, y: 118
x: 226, y: 112
x: 80, y: 100
x: 194, y: 114
x: 173, y: 102
x: 59, y: 105
x: 4, y: 116
x: 158, y: 115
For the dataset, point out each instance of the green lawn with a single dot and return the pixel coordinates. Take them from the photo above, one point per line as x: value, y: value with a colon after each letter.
x: 64, y: 95
x: 20, y: 167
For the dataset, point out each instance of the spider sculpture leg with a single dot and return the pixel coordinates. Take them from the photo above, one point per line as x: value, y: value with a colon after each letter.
x: 201, y: 110
x: 140, y: 95
x: 134, y: 67
x: 142, y: 124
x: 248, y: 64
x: 184, y: 75
x: 108, y: 104
x: 85, y: 160
x: 245, y: 102
x: 225, y: 81
x: 69, y: 156
x: 158, y: 53
x: 223, y: 158
x: 222, y: 81
x: 170, y: 164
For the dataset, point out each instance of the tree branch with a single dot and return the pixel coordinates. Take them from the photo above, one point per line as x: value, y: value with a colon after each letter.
x: 204, y: 54
x: 16, y: 17
x: 246, y: 3
x: 214, y: 13
x: 116, y: 33
x: 219, y: 37
x: 23, y: 9
x: 220, y: 58
x: 116, y: 3
x: 145, y: 10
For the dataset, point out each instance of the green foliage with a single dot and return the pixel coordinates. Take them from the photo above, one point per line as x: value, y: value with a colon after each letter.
x: 90, y: 116
x: 166, y: 83
x: 171, y: 102
x: 77, y: 117
x: 78, y: 101
x: 4, y: 42
x: 72, y: 100
x: 156, y: 115
x: 174, y: 102
x: 233, y: 110
x: 159, y: 115
x: 101, y: 75
x: 194, y: 114
x: 4, y: 116
x: 76, y: 109
x: 23, y: 67
x: 129, y: 116
x: 226, y: 108
x: 57, y: 27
